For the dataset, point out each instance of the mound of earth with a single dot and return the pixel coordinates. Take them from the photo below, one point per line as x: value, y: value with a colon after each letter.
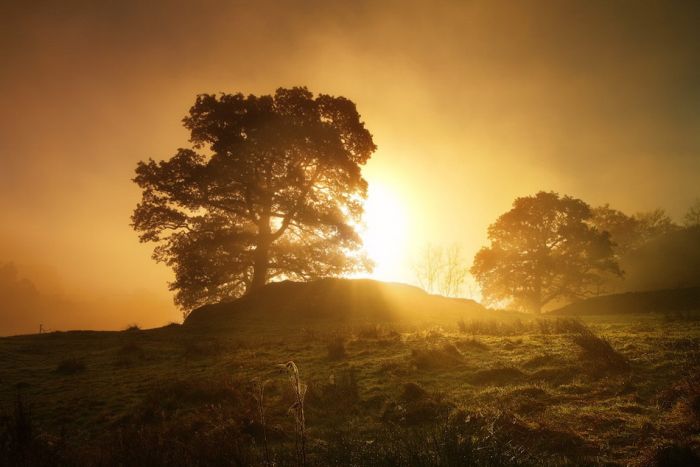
x: 668, y: 300
x: 340, y: 300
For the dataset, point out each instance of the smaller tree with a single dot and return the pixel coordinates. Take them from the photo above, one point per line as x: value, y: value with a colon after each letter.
x: 692, y: 217
x: 427, y: 268
x: 653, y: 224
x: 454, y: 272
x: 441, y: 270
x: 544, y: 249
x: 624, y: 230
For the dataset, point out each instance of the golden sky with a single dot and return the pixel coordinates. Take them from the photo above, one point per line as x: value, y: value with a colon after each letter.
x: 471, y: 103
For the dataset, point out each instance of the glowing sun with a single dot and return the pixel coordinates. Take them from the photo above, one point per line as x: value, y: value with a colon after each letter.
x: 384, y: 232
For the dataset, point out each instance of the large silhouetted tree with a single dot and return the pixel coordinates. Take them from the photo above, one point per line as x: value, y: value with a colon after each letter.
x: 543, y: 249
x: 272, y: 188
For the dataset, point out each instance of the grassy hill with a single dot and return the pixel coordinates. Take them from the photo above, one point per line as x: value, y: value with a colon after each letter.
x: 680, y: 300
x: 394, y: 376
x: 340, y: 301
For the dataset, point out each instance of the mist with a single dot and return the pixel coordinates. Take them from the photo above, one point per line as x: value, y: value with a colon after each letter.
x: 470, y: 103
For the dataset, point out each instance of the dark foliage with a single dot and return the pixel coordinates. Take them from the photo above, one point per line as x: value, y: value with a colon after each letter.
x: 544, y: 249
x: 271, y: 188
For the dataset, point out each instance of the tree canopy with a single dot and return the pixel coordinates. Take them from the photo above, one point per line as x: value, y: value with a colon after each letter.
x: 544, y: 249
x: 271, y: 188
x: 692, y: 216
x: 630, y: 233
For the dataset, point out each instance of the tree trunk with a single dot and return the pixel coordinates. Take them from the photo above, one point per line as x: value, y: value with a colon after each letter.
x: 261, y: 256
x: 537, y: 298
x: 260, y: 267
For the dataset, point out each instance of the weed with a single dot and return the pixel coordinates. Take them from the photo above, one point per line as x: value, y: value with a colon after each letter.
x: 297, y: 409
x: 259, y: 394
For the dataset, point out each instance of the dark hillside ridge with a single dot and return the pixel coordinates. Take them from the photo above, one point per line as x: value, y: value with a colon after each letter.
x: 339, y: 300
x: 667, y: 300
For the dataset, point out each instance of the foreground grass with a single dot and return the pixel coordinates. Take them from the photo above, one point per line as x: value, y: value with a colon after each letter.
x: 488, y: 393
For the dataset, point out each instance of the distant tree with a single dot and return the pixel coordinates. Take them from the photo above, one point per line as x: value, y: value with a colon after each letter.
x: 544, y: 249
x: 272, y: 188
x: 429, y: 266
x: 441, y: 270
x: 653, y: 224
x: 454, y: 272
x: 692, y: 216
x: 624, y: 230
x: 629, y: 233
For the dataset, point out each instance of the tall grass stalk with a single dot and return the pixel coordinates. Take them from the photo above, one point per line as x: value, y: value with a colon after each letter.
x: 297, y: 409
x: 259, y: 394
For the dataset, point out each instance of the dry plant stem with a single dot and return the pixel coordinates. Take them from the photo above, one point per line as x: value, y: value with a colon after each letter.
x: 298, y: 410
x: 260, y: 399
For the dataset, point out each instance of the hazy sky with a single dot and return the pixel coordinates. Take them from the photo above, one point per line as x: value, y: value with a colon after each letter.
x: 471, y: 103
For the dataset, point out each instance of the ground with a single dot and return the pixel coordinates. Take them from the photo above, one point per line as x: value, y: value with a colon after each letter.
x: 528, y: 391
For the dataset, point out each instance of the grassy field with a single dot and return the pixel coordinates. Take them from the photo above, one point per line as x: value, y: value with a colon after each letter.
x: 612, y: 390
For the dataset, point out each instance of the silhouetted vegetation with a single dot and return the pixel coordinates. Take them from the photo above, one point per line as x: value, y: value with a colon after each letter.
x: 498, y: 391
x: 279, y: 195
x: 544, y: 249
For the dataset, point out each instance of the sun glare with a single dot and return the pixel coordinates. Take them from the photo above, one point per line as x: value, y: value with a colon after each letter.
x: 384, y: 232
